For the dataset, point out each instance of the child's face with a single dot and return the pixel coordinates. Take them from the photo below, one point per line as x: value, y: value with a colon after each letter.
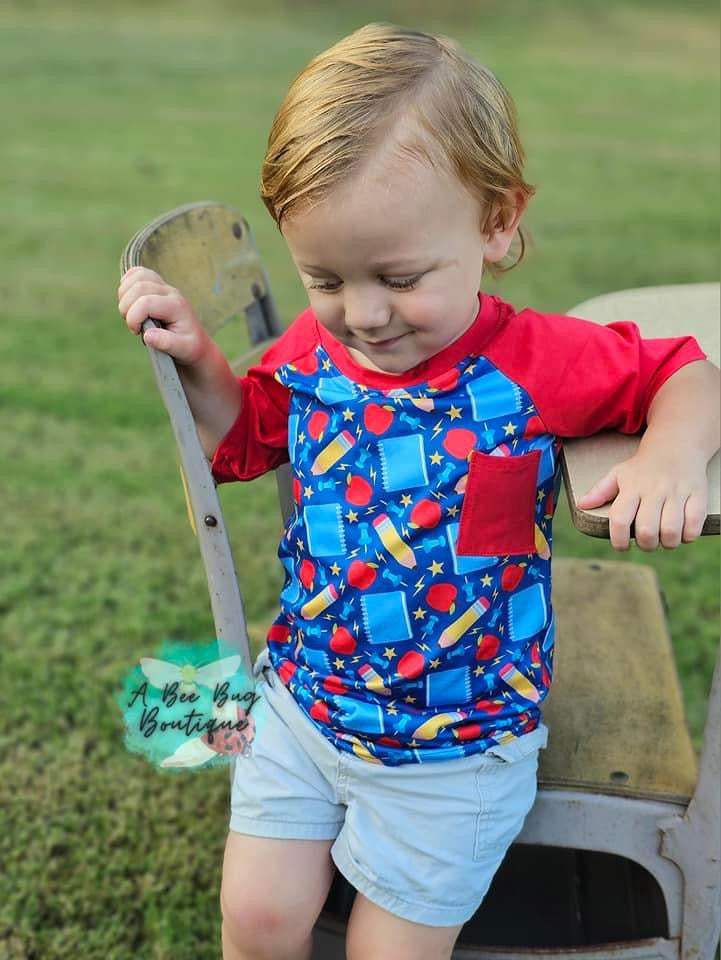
x: 392, y: 261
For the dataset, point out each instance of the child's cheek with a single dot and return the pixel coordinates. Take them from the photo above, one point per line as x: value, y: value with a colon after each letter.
x: 329, y: 315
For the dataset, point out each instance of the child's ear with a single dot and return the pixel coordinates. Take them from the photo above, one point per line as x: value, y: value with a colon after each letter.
x: 500, y: 229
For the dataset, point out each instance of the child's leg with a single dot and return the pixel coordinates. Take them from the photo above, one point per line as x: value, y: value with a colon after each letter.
x: 271, y: 895
x: 374, y: 932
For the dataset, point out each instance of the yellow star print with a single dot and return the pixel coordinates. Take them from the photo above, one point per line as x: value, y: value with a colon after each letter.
x: 351, y: 516
x: 454, y: 413
x: 308, y: 492
x: 419, y: 613
x: 436, y: 458
x: 486, y: 581
x: 452, y: 511
x: 510, y: 428
x: 435, y: 568
x: 406, y: 500
x: 348, y: 414
x: 335, y: 569
x: 389, y: 653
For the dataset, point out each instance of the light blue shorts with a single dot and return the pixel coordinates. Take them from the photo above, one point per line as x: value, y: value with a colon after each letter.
x: 422, y: 841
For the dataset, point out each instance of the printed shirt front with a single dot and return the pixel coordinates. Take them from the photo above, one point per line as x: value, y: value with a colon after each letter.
x: 416, y: 621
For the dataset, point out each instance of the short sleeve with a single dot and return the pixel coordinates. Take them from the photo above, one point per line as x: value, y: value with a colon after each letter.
x: 611, y: 382
x: 584, y: 377
x: 258, y: 440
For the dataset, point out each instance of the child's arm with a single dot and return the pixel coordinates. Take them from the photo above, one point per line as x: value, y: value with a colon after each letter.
x: 663, y: 486
x: 212, y: 389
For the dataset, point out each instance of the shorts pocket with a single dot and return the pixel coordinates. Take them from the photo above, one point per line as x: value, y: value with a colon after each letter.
x: 506, y: 793
x: 499, y: 506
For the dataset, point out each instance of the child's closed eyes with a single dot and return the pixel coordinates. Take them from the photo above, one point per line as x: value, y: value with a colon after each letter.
x: 332, y: 286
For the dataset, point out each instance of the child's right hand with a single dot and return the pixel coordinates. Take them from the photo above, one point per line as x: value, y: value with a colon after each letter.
x: 143, y: 293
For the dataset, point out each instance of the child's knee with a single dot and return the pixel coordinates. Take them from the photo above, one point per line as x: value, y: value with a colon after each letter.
x: 269, y: 906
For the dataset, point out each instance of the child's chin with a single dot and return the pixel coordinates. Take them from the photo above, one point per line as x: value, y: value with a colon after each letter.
x: 394, y: 365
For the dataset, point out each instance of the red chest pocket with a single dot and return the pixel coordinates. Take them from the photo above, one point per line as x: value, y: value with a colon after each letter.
x: 499, y: 506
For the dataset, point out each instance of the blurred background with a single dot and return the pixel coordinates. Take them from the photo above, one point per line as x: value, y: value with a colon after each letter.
x: 113, y: 113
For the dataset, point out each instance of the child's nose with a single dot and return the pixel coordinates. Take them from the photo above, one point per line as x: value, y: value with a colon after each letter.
x: 366, y: 312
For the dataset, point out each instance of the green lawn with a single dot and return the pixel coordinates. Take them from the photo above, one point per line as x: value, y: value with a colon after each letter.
x: 113, y: 114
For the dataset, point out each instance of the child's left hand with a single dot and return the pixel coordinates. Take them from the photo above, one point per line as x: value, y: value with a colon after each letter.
x: 664, y: 493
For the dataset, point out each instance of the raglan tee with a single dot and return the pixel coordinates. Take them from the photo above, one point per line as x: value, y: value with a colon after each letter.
x: 416, y: 621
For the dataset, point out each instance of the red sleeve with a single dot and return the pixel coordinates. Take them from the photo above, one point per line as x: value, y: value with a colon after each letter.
x: 592, y: 377
x: 258, y: 440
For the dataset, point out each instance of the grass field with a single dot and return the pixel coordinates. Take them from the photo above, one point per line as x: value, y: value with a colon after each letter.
x: 113, y: 114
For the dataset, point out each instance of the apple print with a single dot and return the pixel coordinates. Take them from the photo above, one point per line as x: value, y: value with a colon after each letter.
x: 426, y: 514
x: 278, y: 633
x: 361, y: 574
x: 377, y: 419
x: 317, y: 424
x: 489, y: 706
x: 307, y: 574
x: 459, y: 442
x: 342, y: 641
x: 359, y: 491
x: 442, y: 596
x: 511, y: 577
x: 411, y: 665
x: 319, y: 711
x: 286, y: 671
x: 488, y: 647
x: 297, y: 487
x: 334, y: 685
x: 468, y: 731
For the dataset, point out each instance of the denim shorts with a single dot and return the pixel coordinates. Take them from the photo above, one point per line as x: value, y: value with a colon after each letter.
x: 422, y: 841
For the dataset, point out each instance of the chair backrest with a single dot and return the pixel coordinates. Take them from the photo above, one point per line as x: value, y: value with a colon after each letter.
x: 207, y: 251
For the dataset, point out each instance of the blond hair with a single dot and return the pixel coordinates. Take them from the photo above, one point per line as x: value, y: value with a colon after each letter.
x: 349, y: 98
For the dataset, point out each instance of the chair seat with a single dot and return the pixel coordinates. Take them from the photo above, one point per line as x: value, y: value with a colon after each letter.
x: 615, y: 711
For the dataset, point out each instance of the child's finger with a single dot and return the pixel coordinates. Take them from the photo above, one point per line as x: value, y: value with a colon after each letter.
x: 602, y: 492
x: 161, y: 339
x: 141, y: 289
x: 694, y: 515
x: 157, y: 306
x: 647, y: 523
x: 672, y: 523
x: 620, y: 518
x: 134, y: 274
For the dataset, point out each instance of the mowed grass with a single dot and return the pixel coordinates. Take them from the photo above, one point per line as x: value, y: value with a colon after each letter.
x: 112, y: 116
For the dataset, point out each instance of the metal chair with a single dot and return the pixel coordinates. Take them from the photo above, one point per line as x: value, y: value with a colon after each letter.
x: 620, y: 855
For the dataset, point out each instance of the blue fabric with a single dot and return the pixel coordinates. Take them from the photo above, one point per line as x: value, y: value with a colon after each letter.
x: 414, y: 674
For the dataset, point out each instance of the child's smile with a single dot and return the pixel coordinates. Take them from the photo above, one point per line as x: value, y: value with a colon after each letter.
x: 392, y: 261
